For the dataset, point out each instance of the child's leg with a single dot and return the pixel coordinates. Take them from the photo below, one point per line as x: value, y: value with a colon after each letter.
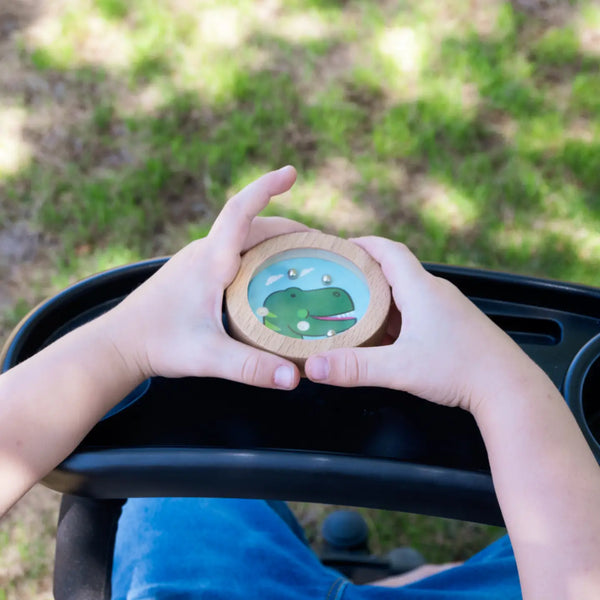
x: 181, y: 548
x: 489, y: 575
x: 226, y: 548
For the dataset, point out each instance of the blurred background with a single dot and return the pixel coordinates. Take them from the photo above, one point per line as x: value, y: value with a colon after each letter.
x: 466, y: 128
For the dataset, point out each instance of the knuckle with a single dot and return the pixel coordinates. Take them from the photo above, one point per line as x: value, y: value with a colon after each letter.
x: 222, y: 262
x: 405, y: 253
x: 402, y: 247
x: 197, y: 247
x: 446, y: 287
x: 251, y: 370
x: 352, y: 370
x: 433, y: 285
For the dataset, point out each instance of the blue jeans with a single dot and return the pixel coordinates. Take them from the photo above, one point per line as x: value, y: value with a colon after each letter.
x: 209, y: 549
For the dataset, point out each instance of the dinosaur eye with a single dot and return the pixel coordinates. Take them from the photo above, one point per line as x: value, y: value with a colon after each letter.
x: 336, y: 294
x: 292, y: 295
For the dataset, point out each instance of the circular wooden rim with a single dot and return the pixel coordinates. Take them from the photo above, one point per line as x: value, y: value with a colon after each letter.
x: 245, y: 326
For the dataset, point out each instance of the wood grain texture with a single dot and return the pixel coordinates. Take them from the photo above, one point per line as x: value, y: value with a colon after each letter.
x: 245, y: 326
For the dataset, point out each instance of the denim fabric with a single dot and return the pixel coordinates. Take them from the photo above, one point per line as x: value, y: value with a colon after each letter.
x: 209, y: 549
x: 489, y: 575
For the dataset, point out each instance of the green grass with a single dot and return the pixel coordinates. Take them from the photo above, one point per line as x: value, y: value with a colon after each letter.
x: 470, y: 136
x: 267, y: 106
x: 438, y: 540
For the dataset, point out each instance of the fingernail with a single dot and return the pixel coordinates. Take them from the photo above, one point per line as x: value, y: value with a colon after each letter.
x: 319, y: 368
x: 284, y: 377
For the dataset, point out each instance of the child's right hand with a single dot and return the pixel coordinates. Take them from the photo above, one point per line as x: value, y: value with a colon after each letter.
x: 172, y: 324
x: 447, y: 350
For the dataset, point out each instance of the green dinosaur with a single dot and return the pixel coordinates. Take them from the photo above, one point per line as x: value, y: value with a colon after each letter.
x: 308, y: 313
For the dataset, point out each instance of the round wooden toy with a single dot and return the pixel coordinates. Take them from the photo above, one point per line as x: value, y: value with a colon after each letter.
x: 302, y: 293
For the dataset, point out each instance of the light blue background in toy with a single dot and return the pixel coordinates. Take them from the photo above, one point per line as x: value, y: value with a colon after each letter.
x: 310, y: 269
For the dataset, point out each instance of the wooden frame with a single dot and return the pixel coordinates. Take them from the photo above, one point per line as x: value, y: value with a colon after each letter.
x: 245, y: 325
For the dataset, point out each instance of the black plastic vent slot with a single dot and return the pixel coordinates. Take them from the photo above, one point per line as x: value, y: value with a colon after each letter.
x: 527, y: 330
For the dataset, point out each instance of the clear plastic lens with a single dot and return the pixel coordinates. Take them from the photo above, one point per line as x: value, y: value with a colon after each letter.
x: 308, y: 294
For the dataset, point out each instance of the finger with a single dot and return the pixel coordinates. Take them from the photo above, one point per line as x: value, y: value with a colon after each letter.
x: 349, y: 367
x: 263, y: 228
x: 399, y: 265
x: 232, y: 225
x: 238, y: 362
x: 404, y: 272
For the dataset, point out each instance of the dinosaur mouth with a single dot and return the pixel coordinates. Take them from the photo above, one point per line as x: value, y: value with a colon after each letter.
x: 341, y: 317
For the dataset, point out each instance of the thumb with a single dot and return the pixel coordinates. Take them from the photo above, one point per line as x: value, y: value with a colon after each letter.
x: 349, y: 367
x: 232, y: 225
x: 238, y: 362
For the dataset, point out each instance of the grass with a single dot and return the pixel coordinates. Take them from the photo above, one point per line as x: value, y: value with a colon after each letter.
x: 438, y: 540
x: 467, y: 130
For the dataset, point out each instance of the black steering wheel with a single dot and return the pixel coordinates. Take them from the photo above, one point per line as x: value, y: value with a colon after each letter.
x: 367, y: 447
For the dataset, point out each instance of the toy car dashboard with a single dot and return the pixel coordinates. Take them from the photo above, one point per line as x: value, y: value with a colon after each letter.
x: 353, y: 446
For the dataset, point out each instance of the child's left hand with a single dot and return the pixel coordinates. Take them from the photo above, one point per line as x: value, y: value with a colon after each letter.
x: 172, y: 324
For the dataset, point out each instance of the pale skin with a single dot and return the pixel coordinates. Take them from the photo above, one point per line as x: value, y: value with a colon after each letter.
x: 545, y: 475
x: 164, y: 327
x: 446, y: 351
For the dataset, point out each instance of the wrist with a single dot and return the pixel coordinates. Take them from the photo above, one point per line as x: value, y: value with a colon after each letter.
x: 509, y: 383
x: 525, y: 390
x: 118, y: 335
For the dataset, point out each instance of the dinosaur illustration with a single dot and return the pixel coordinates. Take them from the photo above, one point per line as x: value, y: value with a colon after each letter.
x: 308, y: 313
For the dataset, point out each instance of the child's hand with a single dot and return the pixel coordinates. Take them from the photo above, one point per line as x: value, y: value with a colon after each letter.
x: 545, y: 476
x: 172, y: 324
x: 447, y: 351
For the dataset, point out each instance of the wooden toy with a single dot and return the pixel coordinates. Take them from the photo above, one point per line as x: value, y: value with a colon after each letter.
x: 303, y: 293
